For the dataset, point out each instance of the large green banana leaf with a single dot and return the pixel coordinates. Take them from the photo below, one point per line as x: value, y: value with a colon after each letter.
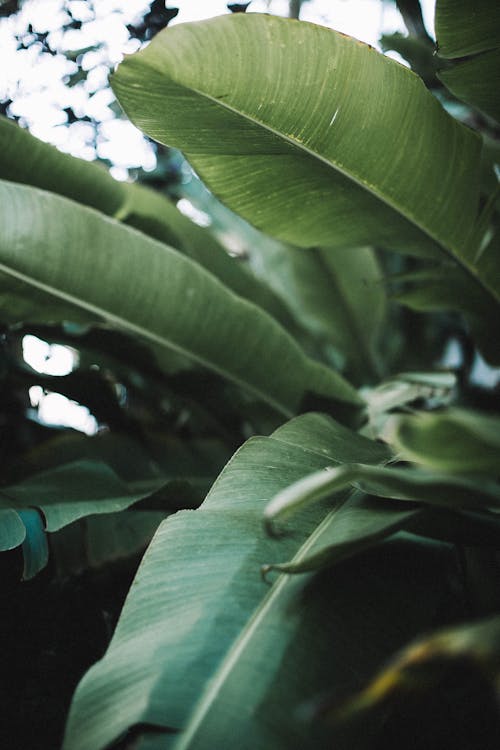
x: 62, y: 495
x: 71, y: 262
x: 312, y: 136
x: 205, y: 645
x: 471, y: 29
x: 26, y: 159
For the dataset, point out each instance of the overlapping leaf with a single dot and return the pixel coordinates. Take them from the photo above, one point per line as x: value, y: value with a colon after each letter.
x: 321, y: 125
x: 27, y: 160
x: 199, y: 588
x: 471, y: 29
x: 63, y: 495
x: 151, y: 291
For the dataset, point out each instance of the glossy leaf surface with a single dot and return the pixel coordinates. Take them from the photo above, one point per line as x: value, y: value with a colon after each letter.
x: 323, y: 126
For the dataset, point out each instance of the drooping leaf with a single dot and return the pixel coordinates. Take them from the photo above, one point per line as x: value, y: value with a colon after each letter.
x: 363, y: 521
x: 27, y: 160
x: 69, y: 492
x: 354, y: 526
x: 151, y: 291
x: 389, y: 482
x: 50, y: 500
x: 452, y: 440
x: 199, y: 585
x: 301, y: 115
x: 471, y: 28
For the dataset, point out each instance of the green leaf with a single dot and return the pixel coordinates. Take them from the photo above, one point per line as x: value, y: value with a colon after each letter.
x: 466, y: 27
x: 272, y: 669
x: 151, y: 291
x: 26, y: 159
x: 453, y: 440
x: 51, y: 500
x: 354, y: 526
x: 477, y: 81
x: 471, y: 27
x: 12, y: 529
x: 388, y: 482
x: 312, y: 120
x: 69, y: 492
x: 361, y: 522
x: 337, y: 295
x: 199, y: 586
x: 153, y: 214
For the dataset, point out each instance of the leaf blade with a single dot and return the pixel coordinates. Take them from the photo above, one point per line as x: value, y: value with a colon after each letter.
x: 155, y: 293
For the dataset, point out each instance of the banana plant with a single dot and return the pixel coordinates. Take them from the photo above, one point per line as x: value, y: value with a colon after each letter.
x: 361, y: 508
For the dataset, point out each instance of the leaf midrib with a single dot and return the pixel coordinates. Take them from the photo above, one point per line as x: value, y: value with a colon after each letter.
x: 147, y: 334
x: 301, y: 147
x: 231, y: 660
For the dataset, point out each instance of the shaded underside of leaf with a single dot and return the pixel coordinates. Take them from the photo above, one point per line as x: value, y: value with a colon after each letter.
x: 470, y: 29
x: 466, y: 27
x: 453, y: 440
x: 476, y: 81
x: 338, y: 295
x: 69, y: 492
